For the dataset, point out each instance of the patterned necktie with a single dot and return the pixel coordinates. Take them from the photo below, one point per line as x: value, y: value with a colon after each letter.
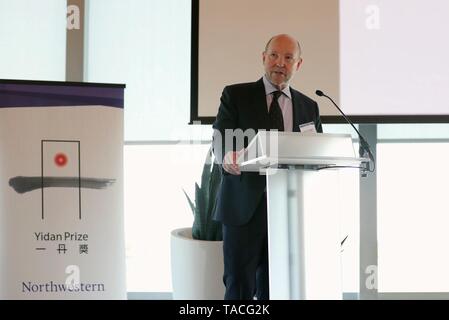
x: 275, y: 113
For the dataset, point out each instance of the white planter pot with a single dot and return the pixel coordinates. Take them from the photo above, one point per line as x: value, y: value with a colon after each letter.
x: 196, y: 267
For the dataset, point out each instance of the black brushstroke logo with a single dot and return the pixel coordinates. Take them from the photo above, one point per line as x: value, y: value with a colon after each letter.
x: 22, y: 184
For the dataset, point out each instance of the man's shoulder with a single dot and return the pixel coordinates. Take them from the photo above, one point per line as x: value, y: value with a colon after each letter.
x: 243, y: 87
x: 302, y: 96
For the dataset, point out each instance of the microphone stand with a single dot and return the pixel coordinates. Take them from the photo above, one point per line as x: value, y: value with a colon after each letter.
x: 364, y: 148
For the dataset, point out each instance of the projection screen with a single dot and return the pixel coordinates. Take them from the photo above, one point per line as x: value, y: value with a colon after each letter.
x: 376, y: 58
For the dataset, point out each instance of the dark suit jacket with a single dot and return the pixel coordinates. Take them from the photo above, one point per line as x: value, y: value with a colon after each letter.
x: 244, y: 106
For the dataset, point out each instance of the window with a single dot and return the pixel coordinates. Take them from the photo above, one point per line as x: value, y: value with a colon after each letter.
x: 155, y: 177
x: 33, y: 39
x: 412, y: 216
x: 131, y: 42
x: 349, y: 195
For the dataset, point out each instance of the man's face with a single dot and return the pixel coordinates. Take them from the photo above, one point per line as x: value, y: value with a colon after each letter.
x: 281, y: 60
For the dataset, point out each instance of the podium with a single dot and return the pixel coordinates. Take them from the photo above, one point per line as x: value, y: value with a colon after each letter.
x: 302, y: 172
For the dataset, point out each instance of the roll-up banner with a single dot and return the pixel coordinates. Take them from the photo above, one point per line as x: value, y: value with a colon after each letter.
x: 61, y: 191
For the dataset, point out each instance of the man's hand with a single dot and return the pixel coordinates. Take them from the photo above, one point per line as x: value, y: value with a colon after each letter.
x: 230, y: 162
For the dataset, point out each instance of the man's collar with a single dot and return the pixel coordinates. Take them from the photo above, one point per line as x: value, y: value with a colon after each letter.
x: 270, y: 88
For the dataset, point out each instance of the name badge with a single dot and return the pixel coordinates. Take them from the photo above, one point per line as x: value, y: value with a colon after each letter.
x: 307, y: 127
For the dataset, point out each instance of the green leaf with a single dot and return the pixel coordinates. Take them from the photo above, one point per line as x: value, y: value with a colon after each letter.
x: 191, y: 204
x: 204, y: 227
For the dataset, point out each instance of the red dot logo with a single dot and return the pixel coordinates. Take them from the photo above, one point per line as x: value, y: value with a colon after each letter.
x: 61, y: 159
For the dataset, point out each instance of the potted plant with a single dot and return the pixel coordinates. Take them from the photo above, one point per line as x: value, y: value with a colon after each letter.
x: 197, y: 251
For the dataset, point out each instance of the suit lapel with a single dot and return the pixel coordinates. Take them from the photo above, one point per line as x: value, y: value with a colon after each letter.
x: 297, y: 107
x: 260, y: 105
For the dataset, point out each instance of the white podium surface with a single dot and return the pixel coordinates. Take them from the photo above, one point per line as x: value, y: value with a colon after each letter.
x: 269, y: 149
x: 304, y: 234
x: 303, y: 218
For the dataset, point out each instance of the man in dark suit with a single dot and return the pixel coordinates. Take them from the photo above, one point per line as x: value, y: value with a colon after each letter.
x: 268, y: 103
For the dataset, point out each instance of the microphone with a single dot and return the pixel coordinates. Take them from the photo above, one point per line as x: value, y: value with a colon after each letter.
x: 364, y: 148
